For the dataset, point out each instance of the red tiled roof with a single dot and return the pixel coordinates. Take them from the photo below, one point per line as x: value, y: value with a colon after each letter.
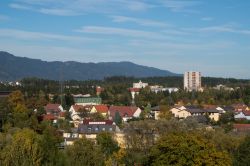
x: 99, y: 89
x: 123, y: 110
x: 54, y: 107
x: 78, y: 107
x: 101, y: 108
x: 49, y: 117
x: 62, y: 114
x: 107, y: 122
x: 242, y: 127
x: 239, y: 106
x: 209, y: 106
x: 246, y: 113
x: 134, y: 89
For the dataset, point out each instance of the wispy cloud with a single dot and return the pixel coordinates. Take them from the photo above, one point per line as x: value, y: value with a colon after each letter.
x: 207, y: 18
x: 143, y: 22
x: 181, y: 5
x: 27, y: 35
x: 59, y: 12
x: 225, y: 29
x: 120, y: 32
x: 20, y: 6
x: 79, y: 7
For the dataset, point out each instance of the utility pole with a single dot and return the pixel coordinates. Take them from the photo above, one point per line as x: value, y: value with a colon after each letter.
x: 61, y: 84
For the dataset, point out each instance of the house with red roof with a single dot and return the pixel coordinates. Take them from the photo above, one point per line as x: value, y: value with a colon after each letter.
x: 241, y: 127
x: 134, y: 91
x: 102, y: 109
x: 240, y: 107
x: 76, y: 111
x: 243, y: 115
x: 126, y: 112
x: 53, y: 112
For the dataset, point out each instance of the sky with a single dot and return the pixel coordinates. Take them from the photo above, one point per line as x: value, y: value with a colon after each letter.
x: 210, y: 36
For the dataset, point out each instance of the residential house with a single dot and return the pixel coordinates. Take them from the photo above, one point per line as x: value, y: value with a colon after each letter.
x: 4, y: 94
x: 102, y: 109
x: 87, y: 100
x: 184, y: 112
x: 240, y: 107
x: 158, y: 88
x: 90, y: 129
x: 140, y: 85
x: 223, y: 87
x: 155, y: 112
x: 241, y: 127
x: 243, y: 115
x: 126, y: 112
x: 180, y: 112
x: 70, y: 137
x: 78, y: 112
x: 53, y: 112
x: 134, y: 91
x: 219, y: 108
x: 99, y: 90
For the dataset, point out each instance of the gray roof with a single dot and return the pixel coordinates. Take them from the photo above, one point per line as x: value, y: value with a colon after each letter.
x: 197, y: 110
x: 95, y: 128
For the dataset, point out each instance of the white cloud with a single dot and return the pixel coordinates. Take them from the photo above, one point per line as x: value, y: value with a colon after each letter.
x: 78, y: 7
x: 225, y: 29
x: 59, y: 12
x: 27, y: 35
x: 143, y: 22
x: 20, y: 6
x: 181, y: 5
x: 121, y: 32
x: 207, y: 18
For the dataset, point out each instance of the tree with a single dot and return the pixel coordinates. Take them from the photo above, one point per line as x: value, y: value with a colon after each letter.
x: 24, y: 150
x: 165, y: 112
x: 118, y: 118
x: 186, y: 149
x: 96, y: 116
x: 49, y: 143
x: 242, y: 155
x: 69, y: 100
x: 16, y: 98
x: 84, y: 152
x: 21, y: 116
x: 107, y: 143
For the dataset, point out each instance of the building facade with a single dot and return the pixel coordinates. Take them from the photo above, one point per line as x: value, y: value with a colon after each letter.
x: 140, y: 85
x: 192, y: 81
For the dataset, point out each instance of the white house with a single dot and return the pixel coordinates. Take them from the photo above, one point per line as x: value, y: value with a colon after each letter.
x: 140, y: 85
x: 184, y: 112
x: 126, y: 112
x: 242, y: 115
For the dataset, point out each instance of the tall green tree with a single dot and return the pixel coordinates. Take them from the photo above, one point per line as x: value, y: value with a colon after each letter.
x: 24, y: 150
x: 118, y: 118
x: 187, y: 149
x: 84, y: 152
x: 107, y: 143
x: 242, y: 155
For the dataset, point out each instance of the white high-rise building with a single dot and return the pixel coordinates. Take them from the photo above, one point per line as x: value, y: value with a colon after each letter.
x: 192, y: 81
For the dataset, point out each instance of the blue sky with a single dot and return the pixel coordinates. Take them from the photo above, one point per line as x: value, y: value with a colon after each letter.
x: 211, y: 36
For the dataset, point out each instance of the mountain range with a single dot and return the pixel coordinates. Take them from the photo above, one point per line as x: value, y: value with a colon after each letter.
x: 15, y: 68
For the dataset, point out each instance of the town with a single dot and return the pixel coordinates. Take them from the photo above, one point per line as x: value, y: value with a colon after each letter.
x: 127, y: 119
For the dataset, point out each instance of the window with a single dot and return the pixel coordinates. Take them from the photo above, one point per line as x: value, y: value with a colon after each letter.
x: 97, y: 128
